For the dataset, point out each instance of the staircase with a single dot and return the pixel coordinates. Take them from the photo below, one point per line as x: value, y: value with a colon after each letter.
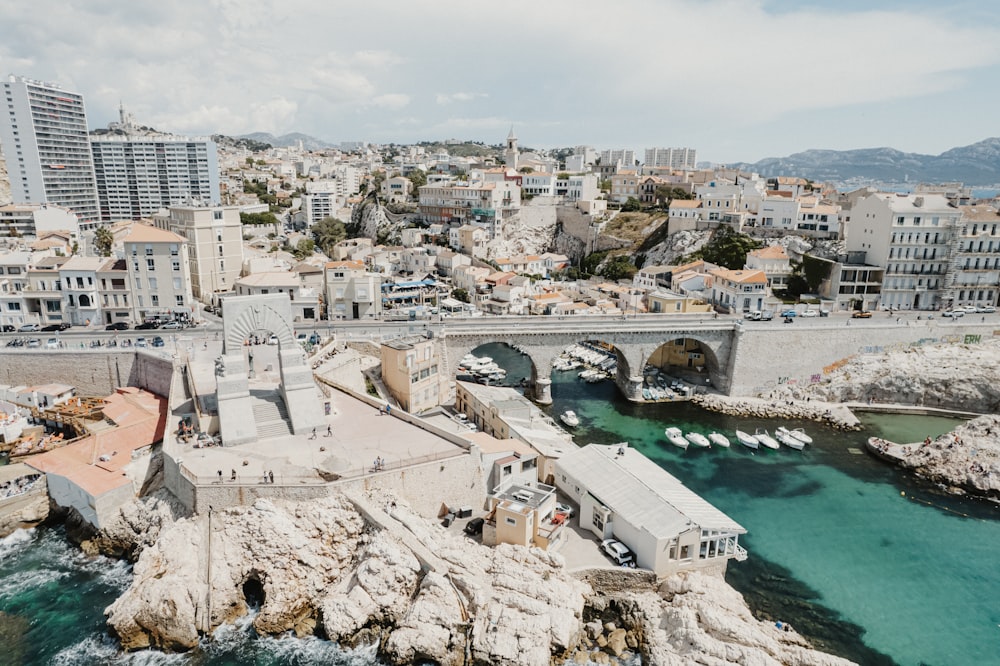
x: 271, y: 416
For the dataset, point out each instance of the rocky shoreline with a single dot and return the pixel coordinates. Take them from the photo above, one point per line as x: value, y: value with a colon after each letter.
x: 368, y: 570
x: 779, y: 406
x: 965, y: 461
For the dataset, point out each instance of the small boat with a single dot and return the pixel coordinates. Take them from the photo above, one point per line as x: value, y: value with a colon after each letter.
x: 719, y: 439
x: 676, y: 437
x: 747, y: 440
x: 784, y: 435
x: 570, y: 418
x: 766, y: 439
x: 698, y: 439
x: 799, y: 434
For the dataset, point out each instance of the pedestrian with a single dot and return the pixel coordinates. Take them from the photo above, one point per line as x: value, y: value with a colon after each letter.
x: 265, y: 477
x: 329, y: 431
x: 232, y: 477
x: 220, y: 476
x: 270, y: 476
x: 388, y: 410
x: 313, y: 436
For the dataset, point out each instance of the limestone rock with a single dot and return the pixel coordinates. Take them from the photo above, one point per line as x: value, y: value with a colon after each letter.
x: 967, y: 459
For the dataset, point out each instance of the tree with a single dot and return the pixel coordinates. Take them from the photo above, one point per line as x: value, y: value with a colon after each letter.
x: 631, y: 205
x: 728, y: 248
x: 328, y: 232
x: 418, y: 178
x: 303, y: 248
x: 619, y: 267
x: 103, y: 241
x: 526, y: 169
x: 461, y: 295
x: 255, y: 219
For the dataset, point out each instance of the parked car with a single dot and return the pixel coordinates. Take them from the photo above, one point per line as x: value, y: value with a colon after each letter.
x: 273, y: 340
x: 172, y: 325
x: 953, y: 313
x: 564, y: 509
x: 140, y: 342
x: 618, y: 552
x: 52, y: 343
x: 34, y: 342
x: 9, y: 328
x: 158, y: 341
x: 790, y: 313
x: 29, y: 328
x: 50, y: 328
x: 969, y: 309
x: 474, y: 526
x: 823, y: 312
x: 117, y: 326
x: 981, y: 308
x: 809, y: 313
x: 147, y: 325
x: 861, y: 314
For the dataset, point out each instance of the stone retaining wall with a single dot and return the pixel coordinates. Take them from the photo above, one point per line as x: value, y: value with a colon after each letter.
x: 94, y: 372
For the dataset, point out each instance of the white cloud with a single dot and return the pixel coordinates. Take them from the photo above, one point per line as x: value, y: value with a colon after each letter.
x: 443, y: 98
x: 391, y: 101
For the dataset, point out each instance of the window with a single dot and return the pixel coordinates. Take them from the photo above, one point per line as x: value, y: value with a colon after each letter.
x: 598, y: 519
x: 151, y: 264
x: 176, y: 265
x: 173, y: 250
x: 152, y: 284
x: 506, y: 470
x: 16, y: 307
x: 154, y: 300
x: 149, y: 250
x: 177, y: 283
x: 179, y: 299
x: 510, y: 521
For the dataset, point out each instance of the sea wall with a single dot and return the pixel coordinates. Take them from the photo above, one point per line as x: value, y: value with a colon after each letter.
x: 764, y: 358
x: 93, y: 372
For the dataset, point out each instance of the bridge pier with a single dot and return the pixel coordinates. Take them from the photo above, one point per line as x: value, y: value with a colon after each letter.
x: 631, y: 387
x: 543, y: 391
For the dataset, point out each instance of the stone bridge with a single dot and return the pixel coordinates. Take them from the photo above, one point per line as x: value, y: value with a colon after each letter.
x: 634, y: 340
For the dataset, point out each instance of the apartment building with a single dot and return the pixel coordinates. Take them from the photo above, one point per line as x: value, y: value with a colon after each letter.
x: 674, y: 158
x: 351, y: 291
x: 738, y: 290
x: 114, y: 291
x: 975, y: 268
x: 46, y: 143
x: 912, y: 237
x: 487, y: 205
x: 411, y: 372
x: 214, y: 239
x: 158, y: 272
x: 304, y: 301
x: 138, y: 175
x: 81, y: 303
x: 775, y: 263
x: 30, y: 220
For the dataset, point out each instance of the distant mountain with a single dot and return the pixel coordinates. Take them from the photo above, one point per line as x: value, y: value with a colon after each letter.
x: 978, y: 164
x: 289, y: 140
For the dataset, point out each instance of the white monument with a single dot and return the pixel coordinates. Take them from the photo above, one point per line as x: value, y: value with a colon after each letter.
x: 242, y: 316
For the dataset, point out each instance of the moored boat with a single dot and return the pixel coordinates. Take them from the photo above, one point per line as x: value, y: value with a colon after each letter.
x: 747, y: 440
x: 800, y: 434
x: 719, y: 439
x: 784, y: 435
x: 676, y: 437
x: 570, y: 418
x: 698, y: 439
x: 765, y: 439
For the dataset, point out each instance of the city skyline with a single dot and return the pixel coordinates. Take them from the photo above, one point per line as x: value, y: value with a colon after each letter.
x: 737, y: 81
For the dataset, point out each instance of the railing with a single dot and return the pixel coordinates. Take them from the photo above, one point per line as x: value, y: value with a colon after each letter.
x: 741, y: 553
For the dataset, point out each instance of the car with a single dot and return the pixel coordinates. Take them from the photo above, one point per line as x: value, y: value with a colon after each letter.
x: 34, y: 342
x: 52, y: 343
x: 140, y: 342
x: 9, y: 328
x: 790, y: 313
x: 474, y: 526
x: 172, y: 326
x: 969, y: 309
x: 953, y: 313
x: 314, y: 338
x: 564, y: 509
x: 117, y: 326
x: 823, y: 312
x: 50, y: 328
x: 618, y: 552
x: 147, y: 325
x: 273, y: 340
x: 982, y: 308
x: 861, y: 314
x: 809, y: 313
x: 29, y: 328
x: 158, y: 341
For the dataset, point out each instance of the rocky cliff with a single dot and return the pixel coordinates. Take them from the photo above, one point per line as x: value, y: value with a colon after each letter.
x: 369, y: 570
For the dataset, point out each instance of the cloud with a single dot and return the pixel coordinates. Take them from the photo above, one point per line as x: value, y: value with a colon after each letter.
x: 391, y: 101
x: 443, y: 98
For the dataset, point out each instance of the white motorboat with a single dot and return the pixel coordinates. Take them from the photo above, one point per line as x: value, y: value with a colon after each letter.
x: 570, y: 418
x: 747, y: 440
x: 785, y: 436
x: 719, y: 439
x: 799, y: 434
x: 765, y: 439
x: 676, y: 437
x: 698, y: 439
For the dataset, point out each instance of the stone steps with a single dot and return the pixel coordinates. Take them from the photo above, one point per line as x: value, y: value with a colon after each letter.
x: 271, y: 417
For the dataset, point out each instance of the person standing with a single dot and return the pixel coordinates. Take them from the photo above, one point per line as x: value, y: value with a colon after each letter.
x: 270, y: 476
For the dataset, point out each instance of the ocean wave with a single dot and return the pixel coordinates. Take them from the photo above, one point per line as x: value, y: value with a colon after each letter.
x: 105, y: 650
x: 15, y: 542
x: 29, y: 581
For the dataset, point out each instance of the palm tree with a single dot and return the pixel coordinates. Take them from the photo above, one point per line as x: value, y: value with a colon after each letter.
x: 103, y: 241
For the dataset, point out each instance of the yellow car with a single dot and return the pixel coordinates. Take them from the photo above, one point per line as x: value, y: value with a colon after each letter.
x: 861, y: 314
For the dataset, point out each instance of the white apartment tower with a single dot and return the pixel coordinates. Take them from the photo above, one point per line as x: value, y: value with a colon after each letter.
x: 214, y: 245
x: 138, y: 174
x: 674, y: 158
x: 43, y: 129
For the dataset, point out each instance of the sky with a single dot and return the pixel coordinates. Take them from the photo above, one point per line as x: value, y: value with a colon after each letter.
x: 738, y: 80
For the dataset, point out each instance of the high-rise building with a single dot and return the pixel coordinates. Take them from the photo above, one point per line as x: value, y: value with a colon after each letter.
x: 675, y: 158
x: 138, y: 173
x: 214, y: 237
x: 43, y: 129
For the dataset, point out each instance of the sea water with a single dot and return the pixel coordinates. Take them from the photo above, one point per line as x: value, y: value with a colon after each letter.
x: 866, y: 562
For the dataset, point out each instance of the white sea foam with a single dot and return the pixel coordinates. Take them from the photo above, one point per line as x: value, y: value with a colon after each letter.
x: 15, y: 542
x: 105, y: 650
x: 29, y: 581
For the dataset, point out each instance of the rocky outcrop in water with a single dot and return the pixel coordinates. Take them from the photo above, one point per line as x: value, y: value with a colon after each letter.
x: 369, y: 571
x: 778, y: 406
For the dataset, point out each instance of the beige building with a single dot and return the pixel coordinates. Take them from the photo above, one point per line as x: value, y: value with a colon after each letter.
x: 114, y: 292
x: 739, y: 291
x: 411, y: 372
x: 351, y: 291
x: 305, y: 301
x: 214, y: 238
x: 667, y: 302
x: 158, y: 270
